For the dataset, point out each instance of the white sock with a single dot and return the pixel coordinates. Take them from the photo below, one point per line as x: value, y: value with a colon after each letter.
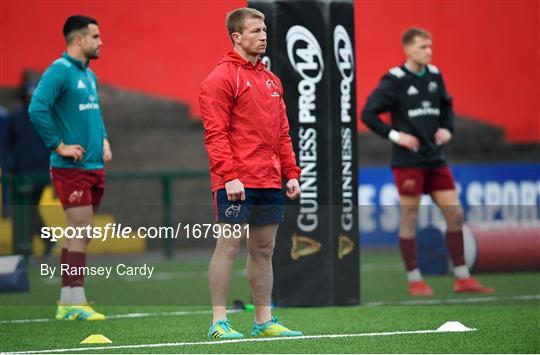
x: 462, y: 272
x: 414, y: 275
x: 78, y: 296
x: 65, y: 295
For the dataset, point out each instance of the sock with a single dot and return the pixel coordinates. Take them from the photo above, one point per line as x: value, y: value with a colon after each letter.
x: 65, y: 291
x: 414, y: 275
x: 78, y: 260
x: 65, y: 295
x: 408, y: 252
x: 462, y: 272
x: 78, y: 297
x: 66, y: 282
x: 454, y: 244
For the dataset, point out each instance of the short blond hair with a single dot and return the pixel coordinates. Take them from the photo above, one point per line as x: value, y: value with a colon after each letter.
x: 410, y: 34
x: 236, y: 19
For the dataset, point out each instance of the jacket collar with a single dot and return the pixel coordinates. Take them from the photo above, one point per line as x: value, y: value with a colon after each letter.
x: 77, y: 62
x: 233, y: 56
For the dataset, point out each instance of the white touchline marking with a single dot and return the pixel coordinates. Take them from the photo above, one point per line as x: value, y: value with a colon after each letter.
x: 455, y: 300
x: 368, y: 304
x: 222, y: 342
x: 158, y: 276
x: 189, y: 275
x: 121, y: 316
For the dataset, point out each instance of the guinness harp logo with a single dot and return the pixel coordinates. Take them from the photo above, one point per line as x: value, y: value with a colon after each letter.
x: 302, y: 246
x: 346, y: 245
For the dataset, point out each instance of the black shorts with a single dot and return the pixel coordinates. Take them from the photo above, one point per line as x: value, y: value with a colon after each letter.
x: 261, y: 206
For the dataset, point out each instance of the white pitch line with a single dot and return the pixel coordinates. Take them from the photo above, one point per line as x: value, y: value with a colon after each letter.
x: 120, y: 316
x: 214, y: 342
x: 455, y: 300
x: 368, y: 304
x: 160, y: 276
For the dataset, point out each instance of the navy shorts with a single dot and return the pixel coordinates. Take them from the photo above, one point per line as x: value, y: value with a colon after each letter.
x: 261, y: 206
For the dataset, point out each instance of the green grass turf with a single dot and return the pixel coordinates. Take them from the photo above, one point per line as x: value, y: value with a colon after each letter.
x: 505, y: 325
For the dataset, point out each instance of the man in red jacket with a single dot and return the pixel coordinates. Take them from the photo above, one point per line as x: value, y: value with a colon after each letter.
x: 250, y: 152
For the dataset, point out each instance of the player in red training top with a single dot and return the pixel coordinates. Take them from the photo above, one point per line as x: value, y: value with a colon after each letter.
x: 250, y: 152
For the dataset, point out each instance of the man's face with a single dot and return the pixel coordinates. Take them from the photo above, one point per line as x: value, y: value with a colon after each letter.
x: 91, y: 42
x: 419, y: 50
x: 253, y: 37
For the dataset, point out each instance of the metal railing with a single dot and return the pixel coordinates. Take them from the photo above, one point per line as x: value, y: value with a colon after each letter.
x: 20, y: 188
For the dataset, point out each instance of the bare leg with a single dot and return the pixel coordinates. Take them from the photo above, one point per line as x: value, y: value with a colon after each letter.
x: 409, y: 214
x: 260, y: 275
x: 219, y: 274
x: 407, y: 244
x: 448, y: 202
x: 79, y: 218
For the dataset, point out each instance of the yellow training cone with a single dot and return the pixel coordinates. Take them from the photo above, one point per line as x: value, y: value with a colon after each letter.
x: 96, y: 339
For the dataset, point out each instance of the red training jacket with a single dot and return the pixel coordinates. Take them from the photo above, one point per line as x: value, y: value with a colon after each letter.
x: 246, y: 125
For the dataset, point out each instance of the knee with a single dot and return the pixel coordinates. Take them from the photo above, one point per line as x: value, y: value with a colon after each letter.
x: 409, y: 214
x: 262, y: 250
x: 229, y: 250
x: 79, y: 222
x: 454, y: 217
x: 83, y: 230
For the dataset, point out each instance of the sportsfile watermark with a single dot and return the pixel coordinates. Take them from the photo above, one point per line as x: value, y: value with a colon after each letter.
x: 120, y: 231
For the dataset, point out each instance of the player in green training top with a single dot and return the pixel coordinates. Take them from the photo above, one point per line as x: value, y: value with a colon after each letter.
x: 66, y: 113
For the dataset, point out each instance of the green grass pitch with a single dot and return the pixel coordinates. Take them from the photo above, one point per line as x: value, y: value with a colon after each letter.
x: 170, y: 314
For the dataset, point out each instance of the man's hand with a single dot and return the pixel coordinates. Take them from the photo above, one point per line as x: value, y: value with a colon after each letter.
x: 107, y: 153
x: 442, y: 136
x: 293, y: 189
x: 235, y: 190
x: 408, y: 141
x: 74, y: 151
